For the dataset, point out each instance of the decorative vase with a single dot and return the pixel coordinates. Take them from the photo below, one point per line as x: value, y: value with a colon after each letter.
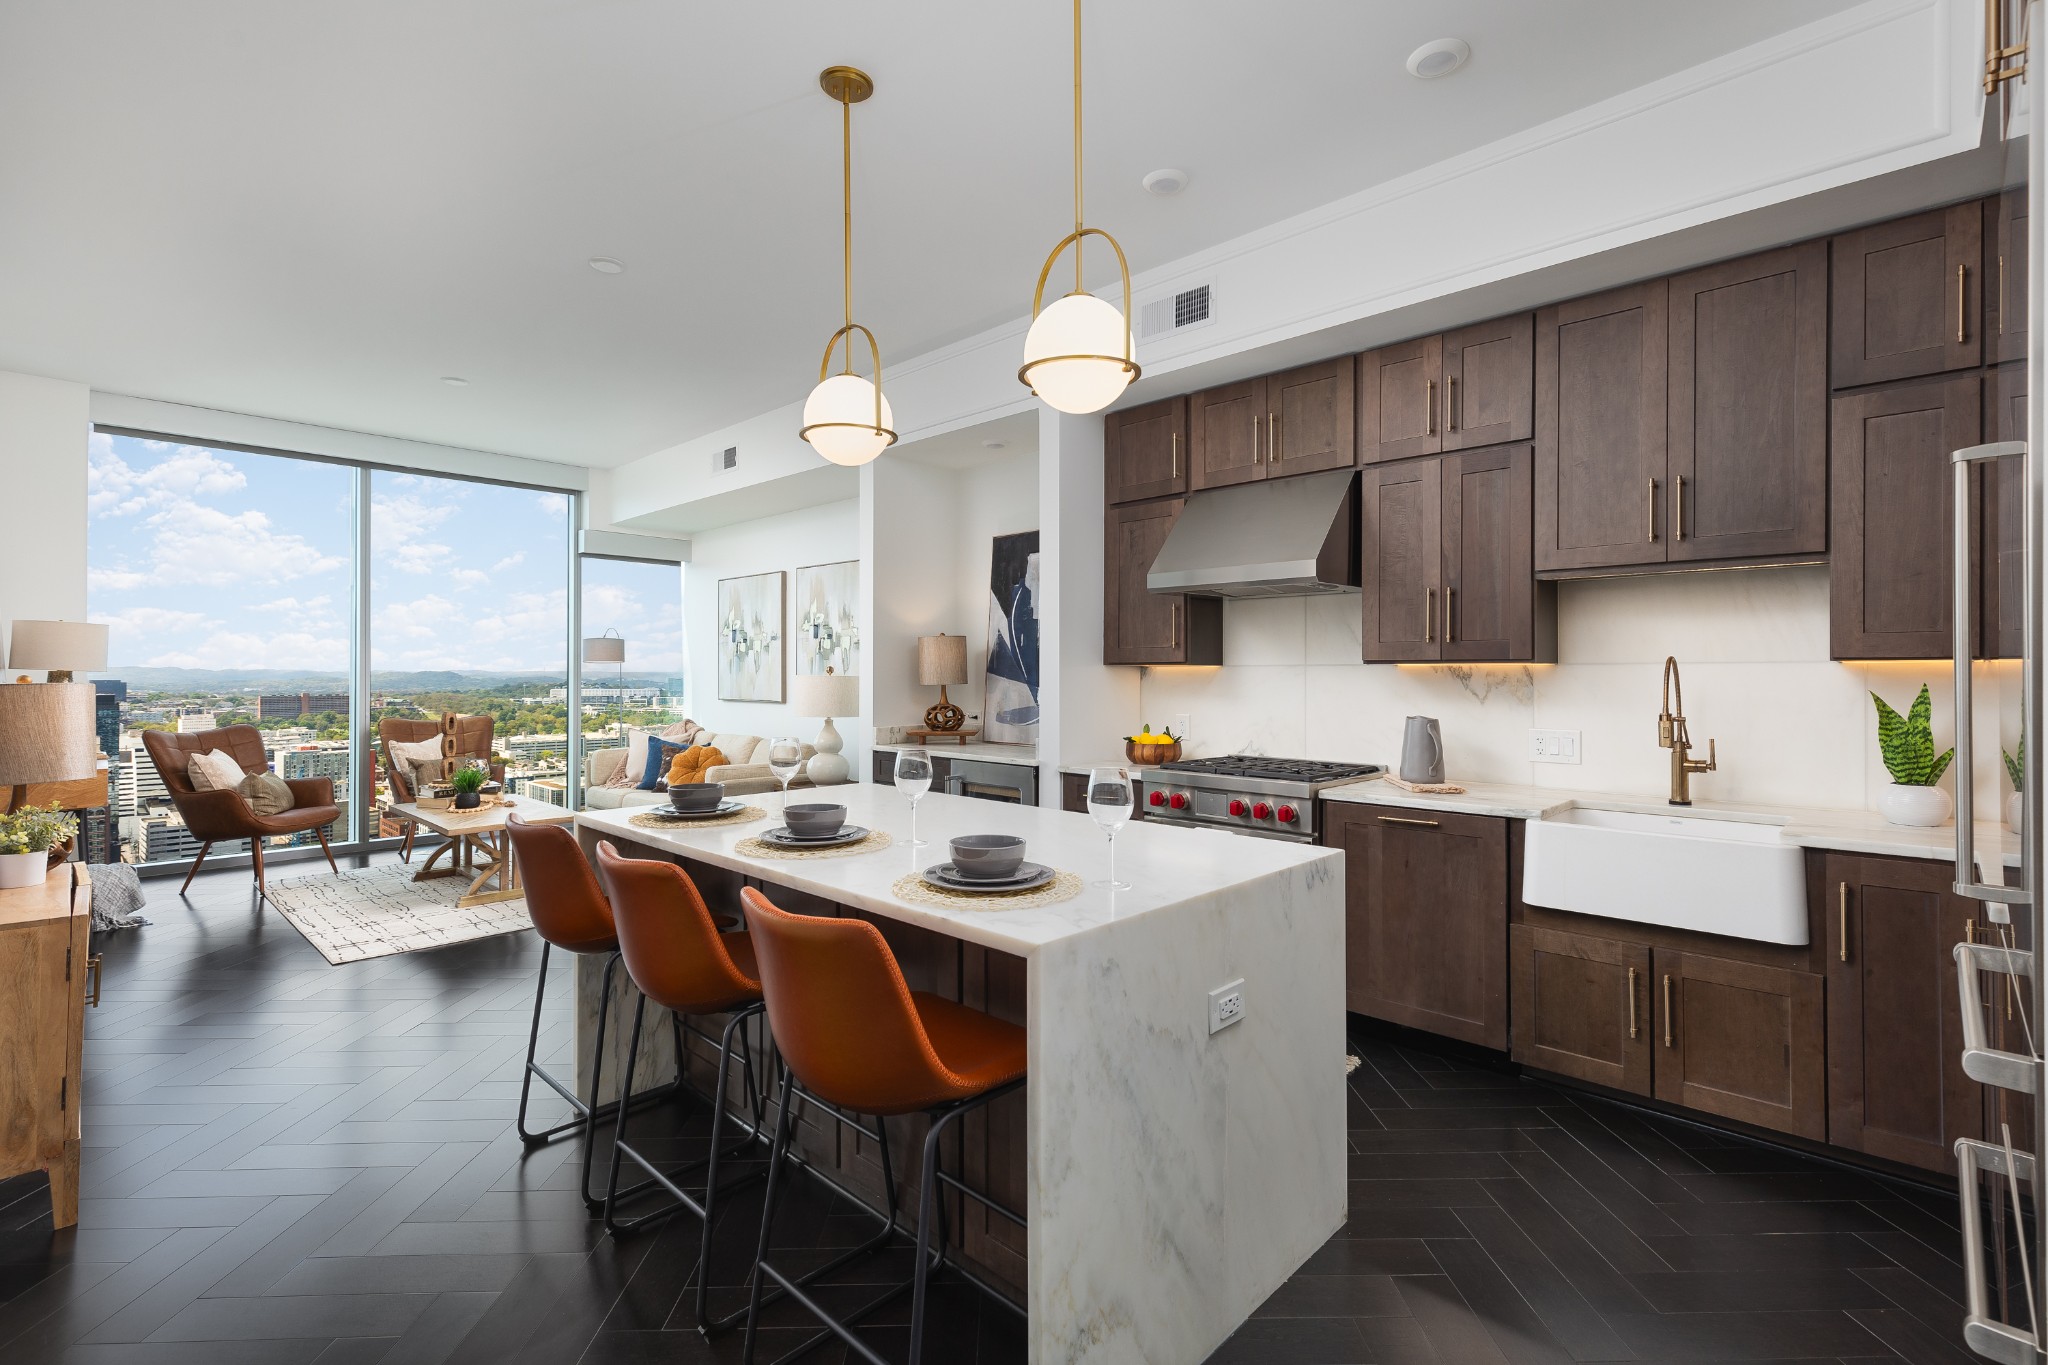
x: 1920, y: 806
x: 1151, y: 755
x: 2015, y: 807
x: 468, y: 800
x: 23, y: 869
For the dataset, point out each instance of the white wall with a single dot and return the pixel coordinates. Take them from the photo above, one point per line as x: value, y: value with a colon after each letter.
x: 1792, y: 727
x: 813, y: 535
x: 45, y: 425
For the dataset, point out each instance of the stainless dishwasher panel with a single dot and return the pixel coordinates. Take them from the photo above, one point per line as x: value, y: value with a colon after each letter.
x: 1016, y: 783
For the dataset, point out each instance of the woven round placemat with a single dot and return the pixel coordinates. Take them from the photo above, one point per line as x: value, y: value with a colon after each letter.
x: 1063, y: 887
x: 743, y: 816
x: 755, y: 848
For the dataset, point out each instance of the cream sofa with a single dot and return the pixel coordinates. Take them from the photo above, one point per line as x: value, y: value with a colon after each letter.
x: 741, y: 774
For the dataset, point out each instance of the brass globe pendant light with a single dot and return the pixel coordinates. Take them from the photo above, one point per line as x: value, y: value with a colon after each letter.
x: 846, y: 418
x: 1078, y: 355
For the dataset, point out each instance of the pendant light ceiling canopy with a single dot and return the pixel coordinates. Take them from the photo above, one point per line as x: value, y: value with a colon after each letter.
x: 847, y: 419
x: 1078, y: 355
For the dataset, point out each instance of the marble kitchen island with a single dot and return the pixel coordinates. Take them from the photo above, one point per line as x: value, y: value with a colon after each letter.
x: 1172, y: 1179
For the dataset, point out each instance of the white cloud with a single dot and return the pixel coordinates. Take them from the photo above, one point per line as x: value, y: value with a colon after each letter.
x: 241, y: 649
x: 513, y: 560
x: 153, y: 620
x: 468, y: 578
x: 401, y: 527
x: 554, y: 504
x: 196, y: 544
x: 115, y: 488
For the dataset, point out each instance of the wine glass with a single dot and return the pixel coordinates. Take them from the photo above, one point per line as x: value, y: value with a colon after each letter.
x: 785, y: 757
x: 1109, y: 801
x: 913, y: 779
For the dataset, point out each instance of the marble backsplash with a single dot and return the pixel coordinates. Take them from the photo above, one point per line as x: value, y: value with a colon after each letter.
x: 1792, y: 726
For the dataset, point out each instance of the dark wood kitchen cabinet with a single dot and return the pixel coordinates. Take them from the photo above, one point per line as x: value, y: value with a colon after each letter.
x: 1227, y: 434
x: 1458, y: 391
x: 1425, y: 908
x: 1600, y: 429
x: 1448, y: 574
x: 1309, y: 418
x: 1908, y: 297
x: 1896, y: 1087
x: 2005, y: 267
x: 1748, y: 408
x: 1741, y: 1040
x: 1582, y: 1006
x: 2002, y: 626
x: 1890, y: 570
x: 1144, y: 451
x: 884, y: 761
x: 1140, y: 626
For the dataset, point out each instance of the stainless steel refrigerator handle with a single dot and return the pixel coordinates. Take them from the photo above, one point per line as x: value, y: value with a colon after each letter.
x: 1982, y: 1333
x: 1966, y: 883
x: 1983, y: 1063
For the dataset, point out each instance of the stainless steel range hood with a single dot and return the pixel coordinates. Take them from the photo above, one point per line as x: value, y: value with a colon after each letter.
x: 1287, y: 537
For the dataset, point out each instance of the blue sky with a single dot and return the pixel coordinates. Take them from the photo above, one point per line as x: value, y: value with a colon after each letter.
x: 204, y: 558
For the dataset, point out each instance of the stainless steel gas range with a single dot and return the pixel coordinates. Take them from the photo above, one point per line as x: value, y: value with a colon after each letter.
x: 1273, y: 798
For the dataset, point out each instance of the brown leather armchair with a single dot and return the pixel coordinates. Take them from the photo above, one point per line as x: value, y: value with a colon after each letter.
x: 474, y: 736
x: 216, y: 815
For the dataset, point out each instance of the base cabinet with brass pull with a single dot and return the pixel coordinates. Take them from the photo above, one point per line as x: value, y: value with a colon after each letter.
x: 1582, y: 1007
x: 1741, y: 1040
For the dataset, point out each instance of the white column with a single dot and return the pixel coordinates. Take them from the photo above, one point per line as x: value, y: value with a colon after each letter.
x: 45, y: 426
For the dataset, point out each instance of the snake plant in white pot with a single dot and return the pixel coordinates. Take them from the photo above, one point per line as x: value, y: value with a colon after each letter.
x: 1907, y: 744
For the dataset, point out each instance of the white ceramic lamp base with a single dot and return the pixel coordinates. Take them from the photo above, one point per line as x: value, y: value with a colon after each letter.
x: 828, y: 767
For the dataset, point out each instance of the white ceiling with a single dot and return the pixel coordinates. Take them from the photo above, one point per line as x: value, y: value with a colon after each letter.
x: 317, y: 211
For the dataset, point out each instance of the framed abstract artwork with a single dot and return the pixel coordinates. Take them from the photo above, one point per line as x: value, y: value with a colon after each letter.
x: 750, y: 637
x: 1009, y: 708
x: 826, y: 626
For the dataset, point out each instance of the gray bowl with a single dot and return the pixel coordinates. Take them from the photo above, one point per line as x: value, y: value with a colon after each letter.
x: 987, y: 857
x: 693, y: 797
x: 814, y: 817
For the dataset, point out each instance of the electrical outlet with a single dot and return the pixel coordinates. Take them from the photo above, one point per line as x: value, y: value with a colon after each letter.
x: 1226, y: 1005
x: 1553, y: 746
x: 1180, y: 723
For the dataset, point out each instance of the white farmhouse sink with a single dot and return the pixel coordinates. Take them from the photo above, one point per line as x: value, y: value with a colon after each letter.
x: 1730, y: 877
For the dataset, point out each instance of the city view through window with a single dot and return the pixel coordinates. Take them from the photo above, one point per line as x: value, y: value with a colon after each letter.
x: 227, y: 582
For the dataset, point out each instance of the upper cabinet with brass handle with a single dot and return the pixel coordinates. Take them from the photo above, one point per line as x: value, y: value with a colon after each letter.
x: 1144, y: 452
x: 1906, y: 297
x: 1483, y: 377
x: 1298, y: 421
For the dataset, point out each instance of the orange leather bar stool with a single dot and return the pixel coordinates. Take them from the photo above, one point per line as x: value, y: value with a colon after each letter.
x: 673, y: 951
x: 857, y: 1039
x: 570, y: 913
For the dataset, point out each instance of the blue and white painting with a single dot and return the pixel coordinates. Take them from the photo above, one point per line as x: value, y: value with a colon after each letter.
x: 1010, y: 702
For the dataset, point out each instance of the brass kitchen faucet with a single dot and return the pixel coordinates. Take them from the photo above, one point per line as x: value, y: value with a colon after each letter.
x: 1672, y: 735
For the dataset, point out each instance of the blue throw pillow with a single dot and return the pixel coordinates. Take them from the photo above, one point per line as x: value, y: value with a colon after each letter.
x: 660, y: 754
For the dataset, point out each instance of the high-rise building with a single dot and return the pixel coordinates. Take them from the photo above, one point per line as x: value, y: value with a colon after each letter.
x: 111, y: 687
x: 197, y: 722
x: 291, y: 705
x: 165, y: 839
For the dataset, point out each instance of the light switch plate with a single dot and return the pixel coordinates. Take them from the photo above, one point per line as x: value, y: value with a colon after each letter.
x: 1554, y: 746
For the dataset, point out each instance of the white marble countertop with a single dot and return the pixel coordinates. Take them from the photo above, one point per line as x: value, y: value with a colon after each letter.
x: 1024, y: 755
x: 1168, y: 867
x: 1845, y: 831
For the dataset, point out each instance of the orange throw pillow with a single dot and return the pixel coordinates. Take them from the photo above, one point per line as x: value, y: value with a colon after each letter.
x: 691, y: 764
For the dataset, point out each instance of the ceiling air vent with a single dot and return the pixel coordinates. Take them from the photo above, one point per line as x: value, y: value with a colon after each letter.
x: 1173, y: 313
x: 725, y: 461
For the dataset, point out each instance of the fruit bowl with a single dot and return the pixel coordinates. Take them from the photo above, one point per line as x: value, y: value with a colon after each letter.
x: 1151, y: 755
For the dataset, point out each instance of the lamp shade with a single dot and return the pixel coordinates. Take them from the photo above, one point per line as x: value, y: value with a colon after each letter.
x: 77, y: 646
x: 839, y: 420
x: 825, y: 694
x: 941, y: 659
x: 46, y: 732
x: 604, y: 649
x: 1074, y: 354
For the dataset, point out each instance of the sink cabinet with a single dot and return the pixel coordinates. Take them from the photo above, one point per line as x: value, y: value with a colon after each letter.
x: 1742, y: 1040
x: 1582, y: 1006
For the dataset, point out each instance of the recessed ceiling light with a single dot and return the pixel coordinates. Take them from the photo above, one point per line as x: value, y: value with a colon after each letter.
x: 1439, y: 58
x: 993, y: 445
x: 605, y: 265
x: 454, y: 381
x: 1166, y: 183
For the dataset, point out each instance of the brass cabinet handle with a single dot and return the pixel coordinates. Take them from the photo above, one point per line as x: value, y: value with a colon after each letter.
x: 1255, y: 439
x: 1451, y: 405
x: 1631, y: 1002
x: 1405, y: 820
x: 1176, y: 456
x: 1653, y: 511
x: 1429, y: 428
x: 1842, y: 910
x: 1428, y: 615
x: 1274, y: 449
x: 1667, y: 1009
x: 1678, y: 519
x: 1449, y: 593
x: 1969, y: 931
x: 1173, y: 625
x: 2000, y: 296
x: 92, y: 965
x: 1962, y: 273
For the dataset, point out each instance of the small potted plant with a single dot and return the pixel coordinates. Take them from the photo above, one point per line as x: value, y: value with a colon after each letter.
x: 468, y: 784
x: 2016, y: 769
x: 1149, y: 750
x: 498, y: 769
x: 27, y: 839
x: 1907, y: 744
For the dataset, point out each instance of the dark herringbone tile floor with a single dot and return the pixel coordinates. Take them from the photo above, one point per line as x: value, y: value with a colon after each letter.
x: 289, y: 1163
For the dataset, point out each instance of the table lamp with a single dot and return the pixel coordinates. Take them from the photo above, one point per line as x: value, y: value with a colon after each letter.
x: 942, y: 659
x: 46, y: 735
x: 59, y: 648
x: 826, y: 695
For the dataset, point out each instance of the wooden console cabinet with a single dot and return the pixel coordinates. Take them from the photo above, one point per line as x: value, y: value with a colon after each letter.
x: 43, y: 945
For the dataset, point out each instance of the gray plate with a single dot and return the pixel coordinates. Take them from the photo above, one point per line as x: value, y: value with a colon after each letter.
x: 780, y: 837
x: 684, y: 817
x: 1029, y: 875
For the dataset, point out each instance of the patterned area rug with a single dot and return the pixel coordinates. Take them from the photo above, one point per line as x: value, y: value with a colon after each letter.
x: 382, y: 910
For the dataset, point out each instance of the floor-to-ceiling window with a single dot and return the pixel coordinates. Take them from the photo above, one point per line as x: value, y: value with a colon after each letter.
x: 639, y: 604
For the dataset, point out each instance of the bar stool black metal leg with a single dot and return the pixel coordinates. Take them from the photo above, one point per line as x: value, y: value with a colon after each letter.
x: 591, y: 1111
x: 927, y: 1214
x: 775, y: 1153
x: 580, y: 1110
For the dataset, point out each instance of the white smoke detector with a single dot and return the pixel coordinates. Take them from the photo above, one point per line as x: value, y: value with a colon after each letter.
x: 1166, y: 183
x: 1438, y: 58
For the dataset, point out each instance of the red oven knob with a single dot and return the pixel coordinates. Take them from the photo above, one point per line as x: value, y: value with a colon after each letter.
x: 1261, y: 811
x: 1178, y: 801
x: 1287, y: 815
x: 1237, y: 807
x: 1157, y: 798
